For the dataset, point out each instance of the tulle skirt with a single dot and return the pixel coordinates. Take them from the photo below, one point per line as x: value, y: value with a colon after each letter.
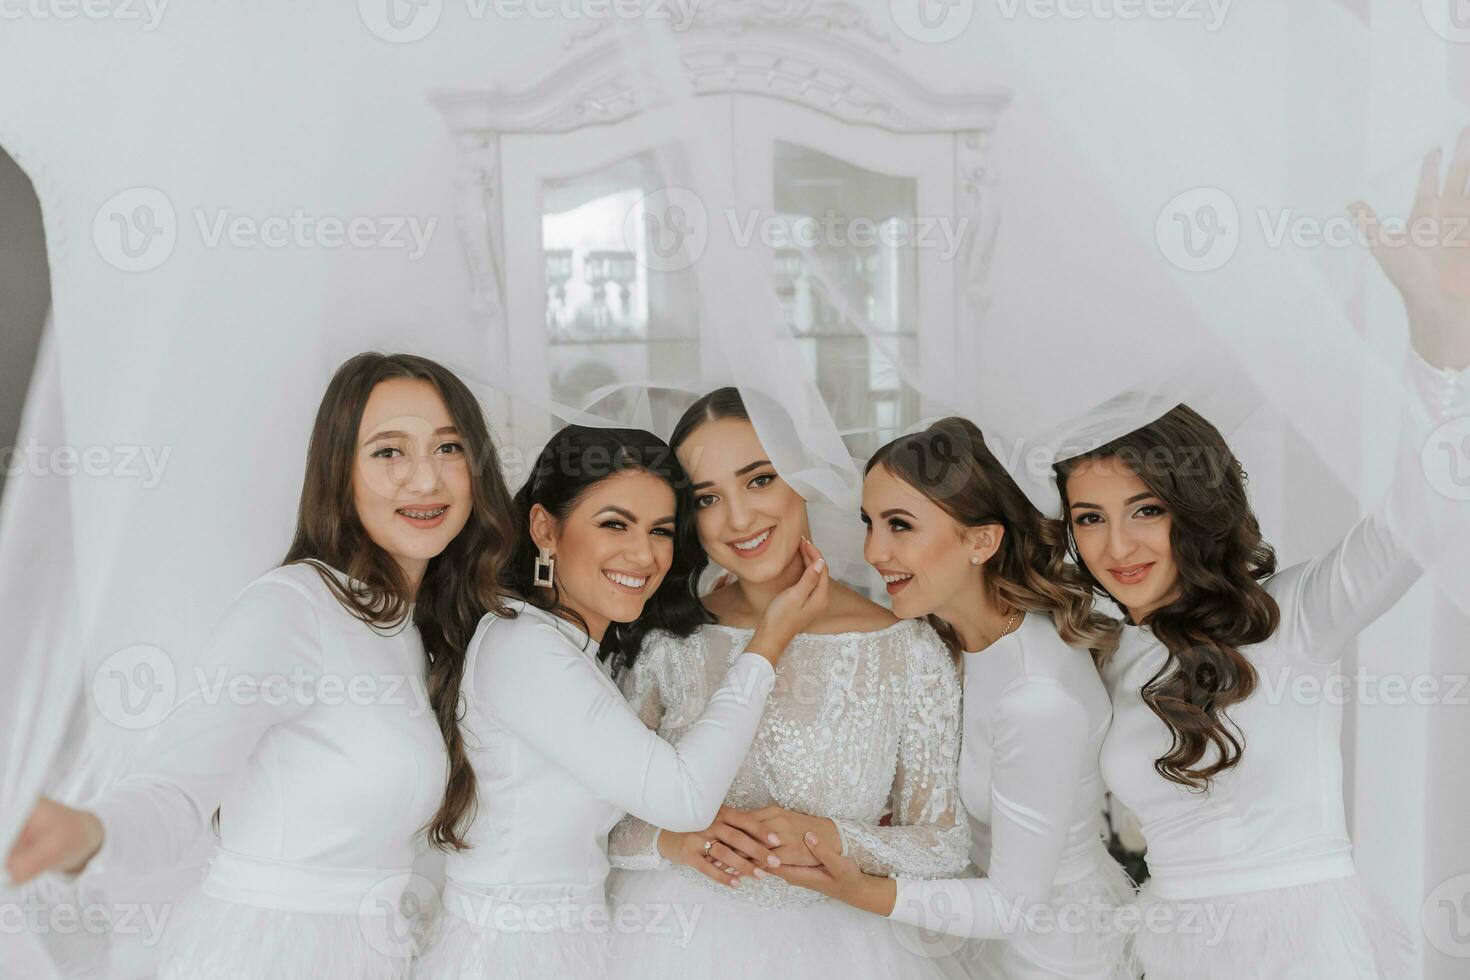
x: 667, y: 925
x: 1083, y: 938
x: 1324, y: 930
x: 495, y: 939
x: 210, y: 938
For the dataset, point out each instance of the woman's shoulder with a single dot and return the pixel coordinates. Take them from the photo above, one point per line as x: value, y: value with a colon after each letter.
x: 520, y: 623
x: 297, y: 584
x: 848, y: 611
x: 1049, y: 670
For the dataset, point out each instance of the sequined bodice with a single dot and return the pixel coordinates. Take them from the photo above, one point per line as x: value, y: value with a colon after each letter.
x: 858, y: 725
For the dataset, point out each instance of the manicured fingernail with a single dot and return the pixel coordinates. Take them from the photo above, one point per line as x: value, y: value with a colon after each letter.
x: 820, y: 562
x: 773, y: 861
x: 760, y: 873
x: 775, y: 841
x: 812, y: 839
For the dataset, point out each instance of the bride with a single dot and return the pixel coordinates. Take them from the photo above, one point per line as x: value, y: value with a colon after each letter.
x: 863, y: 721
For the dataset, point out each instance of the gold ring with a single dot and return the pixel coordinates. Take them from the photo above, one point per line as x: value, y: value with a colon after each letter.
x: 707, y: 845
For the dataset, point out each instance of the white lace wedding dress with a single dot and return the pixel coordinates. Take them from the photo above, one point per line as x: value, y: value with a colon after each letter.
x: 857, y: 725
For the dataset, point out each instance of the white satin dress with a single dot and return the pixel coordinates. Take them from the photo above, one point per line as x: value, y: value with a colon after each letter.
x: 559, y: 757
x: 1256, y: 877
x: 858, y: 725
x: 1035, y: 714
x: 310, y: 731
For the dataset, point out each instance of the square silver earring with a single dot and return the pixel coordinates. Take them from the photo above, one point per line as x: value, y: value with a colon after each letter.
x: 545, y: 570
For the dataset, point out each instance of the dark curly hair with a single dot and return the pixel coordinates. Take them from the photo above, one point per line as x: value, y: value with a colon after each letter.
x: 1216, y: 545
x: 575, y: 460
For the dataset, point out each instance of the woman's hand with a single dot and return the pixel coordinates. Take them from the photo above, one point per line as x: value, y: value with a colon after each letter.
x: 55, y: 838
x: 791, y: 828
x: 793, y: 611
x: 735, y: 848
x: 840, y: 878
x: 1429, y: 261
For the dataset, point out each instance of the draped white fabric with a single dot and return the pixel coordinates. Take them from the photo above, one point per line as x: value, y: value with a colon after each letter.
x: 198, y: 372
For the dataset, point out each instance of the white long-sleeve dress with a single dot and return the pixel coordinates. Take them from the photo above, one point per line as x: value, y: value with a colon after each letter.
x: 858, y: 725
x: 309, y: 731
x: 1035, y: 714
x: 559, y: 757
x: 1255, y: 878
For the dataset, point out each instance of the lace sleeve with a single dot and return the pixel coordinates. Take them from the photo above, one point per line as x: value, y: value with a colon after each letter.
x: 633, y: 843
x: 930, y: 836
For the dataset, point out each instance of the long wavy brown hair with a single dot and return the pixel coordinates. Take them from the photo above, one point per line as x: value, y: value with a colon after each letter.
x: 1216, y: 545
x: 950, y: 464
x: 460, y: 584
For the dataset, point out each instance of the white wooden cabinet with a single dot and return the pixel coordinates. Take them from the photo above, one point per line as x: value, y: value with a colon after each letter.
x: 593, y: 216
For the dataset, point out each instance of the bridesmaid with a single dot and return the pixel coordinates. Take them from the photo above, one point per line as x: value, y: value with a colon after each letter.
x: 605, y: 553
x: 1240, y: 798
x: 959, y: 544
x: 403, y: 530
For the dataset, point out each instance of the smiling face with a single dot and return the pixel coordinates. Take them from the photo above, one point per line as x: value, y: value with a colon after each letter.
x: 921, y: 551
x: 612, y: 549
x: 410, y: 475
x: 1122, y: 532
x: 750, y: 520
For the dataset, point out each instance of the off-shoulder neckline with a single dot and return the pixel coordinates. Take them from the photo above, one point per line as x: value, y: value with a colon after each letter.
x: 825, y: 636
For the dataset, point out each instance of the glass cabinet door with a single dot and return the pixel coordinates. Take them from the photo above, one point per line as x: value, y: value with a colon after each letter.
x: 843, y: 258
x: 591, y: 302
x: 612, y: 316
x: 856, y: 270
x: 593, y: 299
